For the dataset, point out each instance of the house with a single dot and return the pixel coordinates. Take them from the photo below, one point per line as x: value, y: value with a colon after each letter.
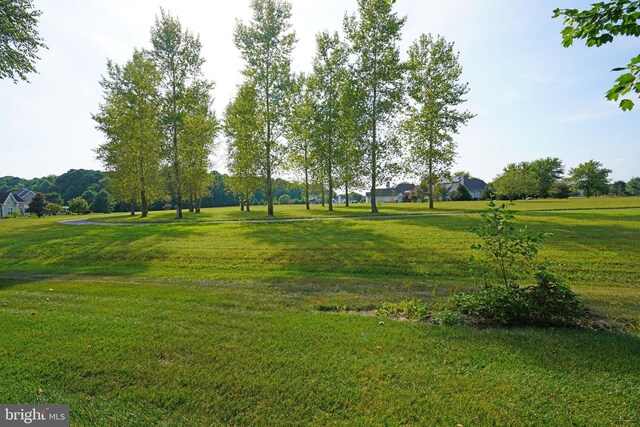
x: 25, y: 194
x: 10, y: 203
x: 474, y: 185
x: 390, y: 195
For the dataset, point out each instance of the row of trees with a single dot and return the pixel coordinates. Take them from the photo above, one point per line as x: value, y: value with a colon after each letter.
x: 158, y: 121
x: 546, y: 178
x: 361, y: 114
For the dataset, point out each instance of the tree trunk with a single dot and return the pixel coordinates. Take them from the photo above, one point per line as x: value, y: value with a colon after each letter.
x: 346, y: 193
x: 330, y: 186
x: 198, y: 204
x: 191, y: 204
x: 306, y: 175
x: 133, y: 208
x: 269, y: 189
x: 374, y: 152
x: 431, y: 183
x: 242, y: 203
x: 248, y: 205
x: 145, y: 203
x: 322, y: 192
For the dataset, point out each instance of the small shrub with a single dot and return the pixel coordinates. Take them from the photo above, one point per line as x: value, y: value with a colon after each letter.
x: 548, y: 303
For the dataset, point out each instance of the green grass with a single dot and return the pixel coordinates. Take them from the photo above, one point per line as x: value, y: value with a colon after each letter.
x: 207, y: 324
x: 363, y: 209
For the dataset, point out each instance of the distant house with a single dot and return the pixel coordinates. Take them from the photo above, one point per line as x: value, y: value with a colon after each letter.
x: 474, y: 185
x: 25, y: 194
x: 392, y: 195
x: 11, y: 203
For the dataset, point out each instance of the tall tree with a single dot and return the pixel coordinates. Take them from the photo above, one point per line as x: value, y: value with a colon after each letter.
x: 200, y: 129
x: 325, y: 84
x: 436, y: 91
x: 243, y: 130
x: 177, y: 54
x: 598, y: 25
x: 633, y: 186
x: 19, y: 39
x: 590, y: 177
x: 516, y: 181
x: 300, y: 132
x: 374, y: 36
x: 545, y: 172
x: 129, y: 118
x: 266, y: 44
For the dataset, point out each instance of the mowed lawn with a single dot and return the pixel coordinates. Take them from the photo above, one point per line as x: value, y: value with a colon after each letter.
x: 208, y: 324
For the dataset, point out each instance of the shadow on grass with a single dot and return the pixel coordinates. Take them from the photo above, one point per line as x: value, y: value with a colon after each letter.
x: 54, y: 249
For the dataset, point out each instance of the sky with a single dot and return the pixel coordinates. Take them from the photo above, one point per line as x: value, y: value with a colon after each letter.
x: 532, y: 97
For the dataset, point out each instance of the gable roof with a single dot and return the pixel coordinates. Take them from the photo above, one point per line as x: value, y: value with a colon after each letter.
x: 17, y: 197
x: 22, y: 193
x: 404, y: 187
x: 5, y: 196
x: 474, y: 184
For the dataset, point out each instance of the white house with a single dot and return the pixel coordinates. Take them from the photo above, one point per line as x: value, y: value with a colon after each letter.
x: 11, y: 203
x: 392, y: 195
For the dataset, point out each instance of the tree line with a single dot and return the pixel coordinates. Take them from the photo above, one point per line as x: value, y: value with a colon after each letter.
x: 548, y: 177
x: 359, y: 118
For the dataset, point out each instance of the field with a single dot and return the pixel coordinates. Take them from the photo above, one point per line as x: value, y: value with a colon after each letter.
x: 202, y: 323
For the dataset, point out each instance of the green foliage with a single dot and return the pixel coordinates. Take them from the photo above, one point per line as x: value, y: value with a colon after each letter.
x: 103, y: 203
x: 266, y: 45
x: 412, y: 309
x: 284, y: 199
x: 38, y: 205
x: 515, y: 182
x: 76, y: 181
x: 633, y: 186
x: 374, y: 36
x: 53, y: 208
x: 19, y: 39
x: 591, y: 178
x: 508, y: 251
x: 433, y: 119
x: 598, y: 26
x: 189, y: 124
x: 78, y: 206
x: 559, y: 190
x: 618, y: 188
x: 129, y: 117
x: 461, y: 194
x: 548, y: 303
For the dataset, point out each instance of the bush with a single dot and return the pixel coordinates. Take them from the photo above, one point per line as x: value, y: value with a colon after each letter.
x: 78, y: 205
x: 559, y: 190
x: 461, y: 194
x: 548, y: 303
x: 510, y: 252
x: 284, y: 199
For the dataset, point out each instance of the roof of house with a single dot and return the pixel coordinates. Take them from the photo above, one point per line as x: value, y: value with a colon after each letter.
x: 404, y: 187
x: 22, y: 192
x: 4, y: 196
x: 474, y: 184
x: 398, y: 189
x: 382, y: 192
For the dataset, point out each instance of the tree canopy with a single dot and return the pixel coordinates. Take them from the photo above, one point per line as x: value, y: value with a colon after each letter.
x: 19, y: 39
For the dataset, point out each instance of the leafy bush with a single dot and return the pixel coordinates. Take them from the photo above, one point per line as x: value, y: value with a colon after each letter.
x: 284, y: 199
x: 461, y: 194
x: 78, y: 205
x: 510, y: 252
x: 548, y: 303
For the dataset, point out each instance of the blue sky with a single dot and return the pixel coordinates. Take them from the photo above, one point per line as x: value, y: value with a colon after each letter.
x: 533, y: 98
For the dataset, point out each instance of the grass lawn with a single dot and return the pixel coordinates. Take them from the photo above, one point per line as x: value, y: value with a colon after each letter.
x: 363, y: 209
x: 208, y: 324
